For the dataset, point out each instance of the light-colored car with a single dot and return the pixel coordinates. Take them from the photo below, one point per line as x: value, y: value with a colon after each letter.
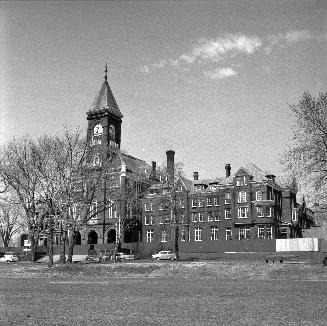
x: 9, y: 257
x: 167, y: 255
x: 124, y: 256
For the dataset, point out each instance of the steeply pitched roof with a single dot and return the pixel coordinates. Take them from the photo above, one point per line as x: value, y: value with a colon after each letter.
x: 256, y: 172
x: 105, y: 100
x: 134, y: 164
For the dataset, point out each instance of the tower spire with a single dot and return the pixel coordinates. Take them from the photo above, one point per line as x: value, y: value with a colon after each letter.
x: 106, y: 72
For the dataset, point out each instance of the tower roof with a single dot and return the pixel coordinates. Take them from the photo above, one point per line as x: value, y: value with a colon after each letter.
x: 105, y: 100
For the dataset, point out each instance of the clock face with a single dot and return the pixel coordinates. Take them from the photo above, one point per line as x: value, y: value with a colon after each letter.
x: 98, y: 129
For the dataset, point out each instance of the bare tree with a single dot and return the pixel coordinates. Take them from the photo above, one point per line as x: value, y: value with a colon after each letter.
x: 306, y: 157
x: 18, y: 173
x: 11, y: 219
x: 172, y: 199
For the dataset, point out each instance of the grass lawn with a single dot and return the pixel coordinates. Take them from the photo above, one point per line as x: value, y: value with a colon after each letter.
x: 152, y: 296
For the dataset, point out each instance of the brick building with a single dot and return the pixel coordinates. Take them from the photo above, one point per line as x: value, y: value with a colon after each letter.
x: 106, y: 213
x: 248, y: 204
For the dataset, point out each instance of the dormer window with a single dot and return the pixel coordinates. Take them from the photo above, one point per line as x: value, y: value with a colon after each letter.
x: 200, y: 187
x: 240, y: 180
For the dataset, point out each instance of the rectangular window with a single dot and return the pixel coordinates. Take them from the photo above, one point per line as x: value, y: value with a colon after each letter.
x: 217, y: 216
x: 242, y: 212
x: 269, y: 232
x: 209, y: 201
x: 214, y: 233
x: 74, y: 211
x: 164, y: 236
x: 210, y: 217
x: 194, y: 203
x: 183, y: 235
x: 241, y: 197
x: 229, y: 235
x: 260, y: 211
x: 112, y: 209
x: 194, y: 217
x: 167, y: 219
x: 161, y: 207
x: 198, y: 234
x: 240, y: 181
x: 93, y: 210
x: 228, y: 214
x: 261, y: 232
x: 227, y: 198
x: 201, y: 203
x: 201, y: 217
x: 149, y: 236
x: 147, y: 206
x: 148, y: 220
x: 215, y: 201
x: 268, y: 211
x: 183, y: 221
x: 258, y: 195
x: 244, y: 233
x: 294, y: 215
x: 182, y: 203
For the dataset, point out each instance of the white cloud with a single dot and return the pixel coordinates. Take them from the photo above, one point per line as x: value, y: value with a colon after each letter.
x: 220, y: 73
x: 283, y: 40
x: 222, y: 46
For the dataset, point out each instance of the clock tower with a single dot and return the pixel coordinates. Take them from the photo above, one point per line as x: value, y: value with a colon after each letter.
x: 104, y: 118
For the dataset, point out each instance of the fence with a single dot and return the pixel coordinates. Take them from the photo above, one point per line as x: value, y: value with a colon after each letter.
x: 297, y: 244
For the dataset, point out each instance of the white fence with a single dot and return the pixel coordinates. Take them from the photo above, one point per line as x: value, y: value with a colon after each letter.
x: 297, y: 244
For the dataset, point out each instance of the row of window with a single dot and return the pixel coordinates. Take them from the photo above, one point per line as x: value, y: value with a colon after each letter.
x: 243, y: 234
x: 242, y: 197
x: 242, y: 212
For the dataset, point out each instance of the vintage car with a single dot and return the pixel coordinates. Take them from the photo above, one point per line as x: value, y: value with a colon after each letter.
x: 9, y: 257
x: 124, y: 256
x: 164, y: 255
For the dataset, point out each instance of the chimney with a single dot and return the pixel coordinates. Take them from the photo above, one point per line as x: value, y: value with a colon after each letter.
x: 154, y: 170
x: 170, y: 164
x: 227, y: 168
x: 196, y: 175
x: 271, y: 177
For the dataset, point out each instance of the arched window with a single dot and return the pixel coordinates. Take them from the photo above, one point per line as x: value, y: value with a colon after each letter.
x: 97, y: 133
x: 112, y: 133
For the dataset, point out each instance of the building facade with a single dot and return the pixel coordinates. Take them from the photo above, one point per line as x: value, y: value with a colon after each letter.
x: 249, y: 204
x: 106, y: 215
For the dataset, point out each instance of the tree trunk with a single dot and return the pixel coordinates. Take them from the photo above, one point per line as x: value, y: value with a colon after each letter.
x: 50, y: 250
x: 176, y: 241
x: 71, y: 242
x: 62, y: 259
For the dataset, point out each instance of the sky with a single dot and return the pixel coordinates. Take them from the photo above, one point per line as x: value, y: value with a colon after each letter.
x: 212, y: 81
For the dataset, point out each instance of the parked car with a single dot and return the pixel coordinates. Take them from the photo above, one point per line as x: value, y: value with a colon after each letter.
x: 167, y: 255
x: 9, y: 257
x: 124, y: 256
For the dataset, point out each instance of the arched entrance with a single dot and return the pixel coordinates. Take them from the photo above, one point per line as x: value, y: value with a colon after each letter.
x: 92, y: 237
x: 111, y: 236
x: 23, y: 238
x: 78, y: 238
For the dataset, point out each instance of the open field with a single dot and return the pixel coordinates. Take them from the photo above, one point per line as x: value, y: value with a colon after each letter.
x: 201, y: 293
